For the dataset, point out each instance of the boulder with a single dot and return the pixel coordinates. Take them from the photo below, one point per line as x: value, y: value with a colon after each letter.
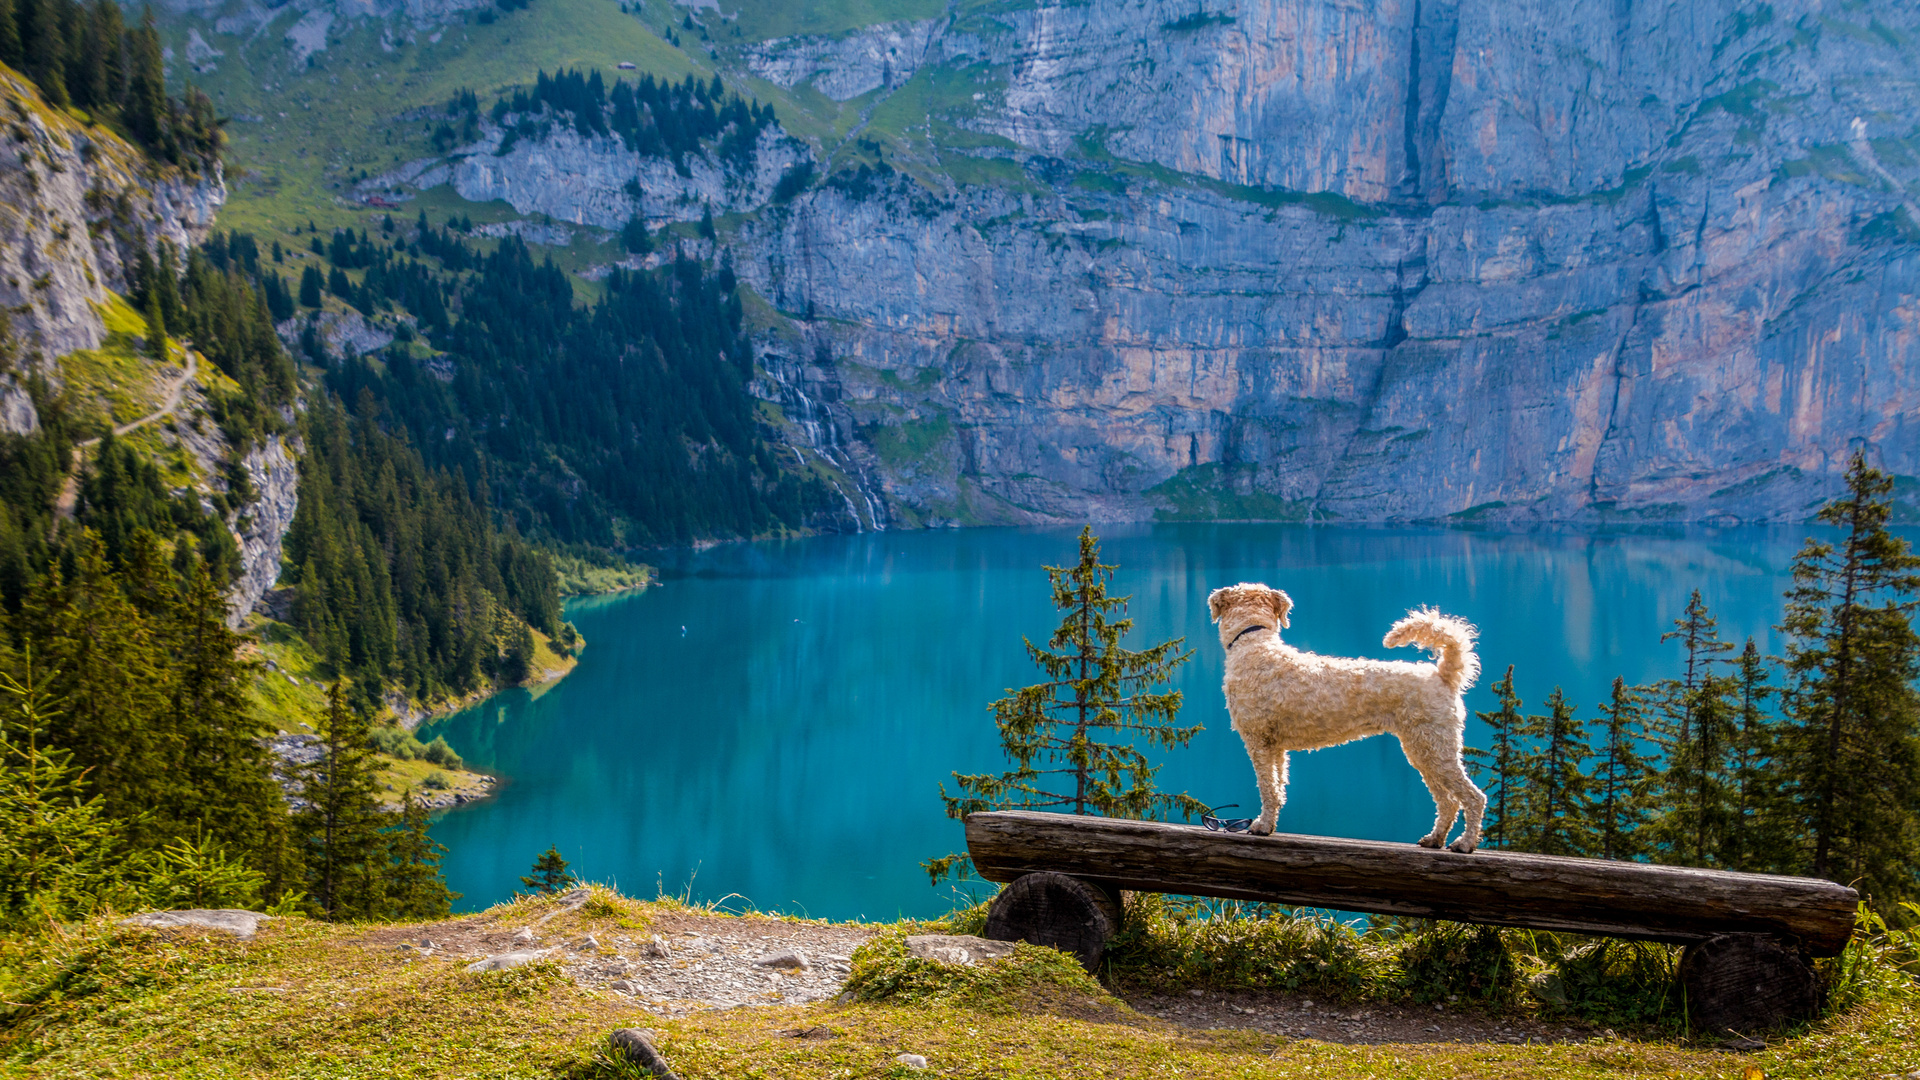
x: 911, y: 1061
x: 792, y: 959
x: 505, y: 960
x: 241, y: 924
x: 637, y: 1046
x: 957, y: 948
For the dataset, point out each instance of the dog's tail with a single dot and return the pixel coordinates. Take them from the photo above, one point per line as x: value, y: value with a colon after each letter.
x: 1450, y: 640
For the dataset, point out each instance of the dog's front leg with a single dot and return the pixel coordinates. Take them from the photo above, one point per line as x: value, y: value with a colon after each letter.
x: 1272, y: 777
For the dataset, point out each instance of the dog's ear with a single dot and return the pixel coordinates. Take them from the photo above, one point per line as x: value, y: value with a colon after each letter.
x: 1282, y: 603
x: 1217, y: 602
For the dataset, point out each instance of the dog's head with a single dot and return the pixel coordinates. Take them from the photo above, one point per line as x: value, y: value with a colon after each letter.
x: 1237, y: 607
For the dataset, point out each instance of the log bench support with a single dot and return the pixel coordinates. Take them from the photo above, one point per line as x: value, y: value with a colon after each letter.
x: 1748, y: 937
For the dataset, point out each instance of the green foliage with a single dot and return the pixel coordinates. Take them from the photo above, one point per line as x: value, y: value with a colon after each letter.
x: 1500, y: 766
x: 1447, y: 960
x: 884, y: 971
x: 340, y: 827
x: 56, y: 841
x: 201, y: 874
x: 550, y: 874
x: 400, y: 576
x: 1852, y: 743
x: 1560, y: 807
x: 1619, y: 983
x: 1168, y: 943
x: 415, y: 888
x: 88, y: 58
x: 1093, y: 686
x: 622, y: 424
x: 1621, y: 776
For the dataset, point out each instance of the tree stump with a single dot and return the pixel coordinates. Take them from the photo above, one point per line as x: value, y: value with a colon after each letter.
x: 1065, y: 913
x: 1747, y: 983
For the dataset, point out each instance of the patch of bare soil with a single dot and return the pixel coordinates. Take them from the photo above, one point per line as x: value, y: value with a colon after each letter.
x: 1296, y: 1016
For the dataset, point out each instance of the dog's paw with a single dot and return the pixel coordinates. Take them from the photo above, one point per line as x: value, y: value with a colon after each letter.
x: 1462, y: 846
x: 1260, y: 828
x: 1429, y: 841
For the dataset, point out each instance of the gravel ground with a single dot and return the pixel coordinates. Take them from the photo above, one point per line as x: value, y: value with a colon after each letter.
x: 686, y: 961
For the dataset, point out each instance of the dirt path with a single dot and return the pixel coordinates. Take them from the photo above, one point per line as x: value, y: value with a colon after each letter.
x: 69, y: 499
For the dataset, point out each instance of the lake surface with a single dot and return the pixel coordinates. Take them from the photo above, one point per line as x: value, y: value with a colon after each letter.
x: 775, y: 720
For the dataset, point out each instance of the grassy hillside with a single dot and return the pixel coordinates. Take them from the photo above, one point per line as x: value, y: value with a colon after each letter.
x: 311, y: 999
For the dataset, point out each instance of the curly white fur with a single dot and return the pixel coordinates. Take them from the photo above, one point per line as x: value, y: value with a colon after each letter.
x: 1283, y: 699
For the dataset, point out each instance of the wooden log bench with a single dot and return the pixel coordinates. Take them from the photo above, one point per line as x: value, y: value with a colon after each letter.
x: 1748, y: 937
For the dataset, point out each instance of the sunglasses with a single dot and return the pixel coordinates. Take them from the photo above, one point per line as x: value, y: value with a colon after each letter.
x: 1220, y: 824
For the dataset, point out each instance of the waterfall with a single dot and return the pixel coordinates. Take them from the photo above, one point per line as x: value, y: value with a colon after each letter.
x: 823, y: 438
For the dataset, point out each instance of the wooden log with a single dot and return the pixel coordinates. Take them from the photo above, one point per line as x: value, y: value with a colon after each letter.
x: 1055, y: 910
x: 1744, y: 984
x: 1587, y: 896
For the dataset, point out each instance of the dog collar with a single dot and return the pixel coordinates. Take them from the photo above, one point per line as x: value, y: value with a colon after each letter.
x: 1244, y: 633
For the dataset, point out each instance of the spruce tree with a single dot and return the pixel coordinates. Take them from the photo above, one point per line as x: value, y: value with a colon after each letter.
x: 1054, y: 730
x: 550, y: 874
x: 146, y: 109
x: 45, y: 47
x: 1756, y: 839
x: 1694, y: 728
x: 1562, y: 804
x: 1498, y: 766
x: 57, y: 842
x: 1851, y: 747
x: 342, y: 822
x: 11, y: 52
x: 1620, y: 777
x: 415, y: 888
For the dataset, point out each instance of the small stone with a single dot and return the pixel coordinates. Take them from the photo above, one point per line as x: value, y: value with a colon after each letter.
x: 1742, y: 1044
x: 957, y: 948
x: 655, y: 948
x: 506, y: 960
x: 784, y: 958
x: 524, y: 936
x: 1202, y: 993
x: 622, y: 985
x: 591, y: 944
x: 911, y: 1061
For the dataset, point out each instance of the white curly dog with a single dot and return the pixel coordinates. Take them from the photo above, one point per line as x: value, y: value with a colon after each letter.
x: 1283, y: 699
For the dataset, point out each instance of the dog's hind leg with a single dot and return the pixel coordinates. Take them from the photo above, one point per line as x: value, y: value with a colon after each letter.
x: 1476, y: 805
x: 1452, y: 790
x: 1270, y: 771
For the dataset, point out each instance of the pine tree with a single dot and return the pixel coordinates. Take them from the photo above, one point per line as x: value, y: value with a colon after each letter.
x: 1694, y: 729
x: 45, y: 48
x: 1498, y: 767
x: 1093, y: 686
x: 342, y: 823
x: 156, y: 326
x: 1562, y: 806
x: 146, y: 109
x: 1755, y: 839
x: 550, y: 874
x: 1620, y: 777
x: 415, y: 888
x: 12, y: 53
x: 57, y: 842
x: 1852, y: 743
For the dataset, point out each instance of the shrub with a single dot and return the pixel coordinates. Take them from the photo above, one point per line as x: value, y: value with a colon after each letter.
x: 441, y: 754
x: 1444, y: 960
x: 1170, y: 942
x: 436, y: 781
x: 883, y: 971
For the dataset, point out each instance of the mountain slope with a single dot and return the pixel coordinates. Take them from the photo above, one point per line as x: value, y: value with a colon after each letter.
x: 1250, y: 259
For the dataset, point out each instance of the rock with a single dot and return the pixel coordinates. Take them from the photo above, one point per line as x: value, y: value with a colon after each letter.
x: 241, y: 924
x: 655, y: 948
x: 957, y: 948
x: 637, y: 1045
x: 1742, y: 1044
x: 503, y: 961
x: 911, y: 1061
x: 625, y: 986
x: 523, y: 936
x: 591, y: 944
x: 784, y: 958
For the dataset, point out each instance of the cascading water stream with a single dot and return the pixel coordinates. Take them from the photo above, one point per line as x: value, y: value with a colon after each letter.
x: 823, y: 437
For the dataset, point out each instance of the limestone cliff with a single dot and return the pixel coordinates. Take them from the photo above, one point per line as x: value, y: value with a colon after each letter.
x: 75, y: 204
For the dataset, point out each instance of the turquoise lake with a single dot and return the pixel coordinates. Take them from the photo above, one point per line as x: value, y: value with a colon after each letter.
x: 775, y: 720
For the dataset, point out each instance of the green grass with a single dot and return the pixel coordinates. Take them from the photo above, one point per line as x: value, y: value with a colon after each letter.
x: 913, y: 441
x: 1214, y: 492
x: 308, y: 999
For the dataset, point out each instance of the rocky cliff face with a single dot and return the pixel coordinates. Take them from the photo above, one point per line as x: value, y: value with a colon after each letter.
x: 1401, y: 260
x: 75, y: 204
x: 263, y: 524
